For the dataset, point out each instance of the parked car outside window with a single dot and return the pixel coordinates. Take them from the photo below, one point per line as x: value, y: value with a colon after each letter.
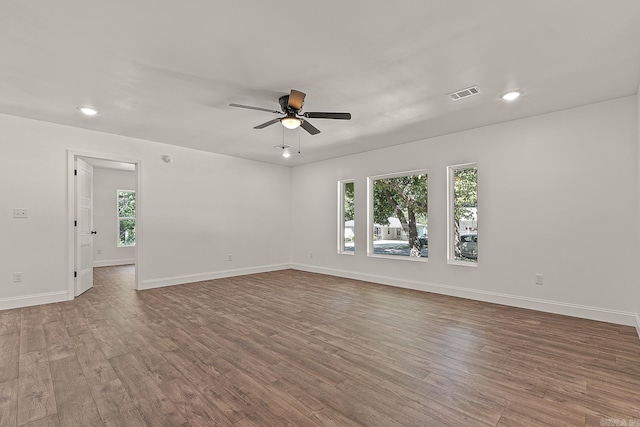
x: 469, y: 246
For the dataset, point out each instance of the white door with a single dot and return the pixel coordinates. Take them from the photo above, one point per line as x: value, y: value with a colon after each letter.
x: 84, y: 227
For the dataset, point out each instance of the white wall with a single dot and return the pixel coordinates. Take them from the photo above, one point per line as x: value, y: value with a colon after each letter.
x: 106, y: 183
x: 195, y: 211
x: 571, y: 175
x: 637, y: 297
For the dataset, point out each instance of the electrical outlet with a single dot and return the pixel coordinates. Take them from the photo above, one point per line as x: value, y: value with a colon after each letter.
x: 230, y: 257
x: 310, y: 254
x: 19, y: 213
x: 17, y: 276
x: 99, y: 251
x: 539, y: 279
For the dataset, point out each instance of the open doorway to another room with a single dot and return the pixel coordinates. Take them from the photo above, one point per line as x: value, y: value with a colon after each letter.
x: 106, y: 232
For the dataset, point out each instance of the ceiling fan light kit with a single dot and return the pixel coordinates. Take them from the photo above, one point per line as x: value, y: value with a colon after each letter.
x: 291, y: 106
x: 290, y: 122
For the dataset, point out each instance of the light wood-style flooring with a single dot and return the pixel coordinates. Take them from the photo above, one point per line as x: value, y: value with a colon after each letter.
x: 302, y: 349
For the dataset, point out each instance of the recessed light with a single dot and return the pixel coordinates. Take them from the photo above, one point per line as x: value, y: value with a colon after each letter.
x: 88, y: 111
x: 285, y: 150
x: 511, y: 96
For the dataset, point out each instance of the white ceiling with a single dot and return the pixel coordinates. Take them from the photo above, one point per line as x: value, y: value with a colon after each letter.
x: 166, y: 70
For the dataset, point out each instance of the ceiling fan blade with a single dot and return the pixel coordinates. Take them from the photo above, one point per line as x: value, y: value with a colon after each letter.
x: 296, y: 99
x: 318, y: 115
x: 269, y: 123
x: 249, y: 107
x: 309, y: 127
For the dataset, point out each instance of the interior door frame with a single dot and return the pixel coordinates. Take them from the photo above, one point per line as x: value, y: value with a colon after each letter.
x: 71, y: 193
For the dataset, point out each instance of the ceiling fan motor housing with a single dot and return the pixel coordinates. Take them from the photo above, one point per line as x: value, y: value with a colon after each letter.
x: 284, y: 104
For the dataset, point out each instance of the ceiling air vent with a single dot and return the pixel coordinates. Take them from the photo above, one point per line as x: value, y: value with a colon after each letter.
x: 464, y: 93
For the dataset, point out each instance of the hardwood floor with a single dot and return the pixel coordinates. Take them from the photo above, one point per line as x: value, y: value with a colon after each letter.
x: 303, y: 349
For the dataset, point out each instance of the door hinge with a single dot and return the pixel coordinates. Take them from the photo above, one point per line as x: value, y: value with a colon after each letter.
x: 75, y: 172
x: 75, y: 274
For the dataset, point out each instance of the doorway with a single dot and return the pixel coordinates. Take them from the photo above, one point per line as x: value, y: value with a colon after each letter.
x: 88, y: 226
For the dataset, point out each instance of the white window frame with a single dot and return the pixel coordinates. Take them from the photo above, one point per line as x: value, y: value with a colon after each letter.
x: 370, y: 222
x: 119, y: 218
x: 341, y: 193
x: 451, y: 256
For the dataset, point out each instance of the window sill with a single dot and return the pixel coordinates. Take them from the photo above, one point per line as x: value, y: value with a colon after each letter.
x: 463, y: 263
x: 400, y: 257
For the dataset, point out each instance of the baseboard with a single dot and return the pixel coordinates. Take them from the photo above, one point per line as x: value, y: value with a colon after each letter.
x: 112, y: 262
x: 190, y: 278
x: 35, y: 299
x: 574, y: 310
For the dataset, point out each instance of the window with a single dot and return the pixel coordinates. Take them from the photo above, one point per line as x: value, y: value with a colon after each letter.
x: 126, y: 218
x: 463, y: 214
x: 398, y: 216
x: 346, y: 218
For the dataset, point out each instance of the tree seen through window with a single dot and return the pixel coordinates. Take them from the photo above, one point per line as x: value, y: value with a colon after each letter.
x: 126, y: 218
x: 400, y: 206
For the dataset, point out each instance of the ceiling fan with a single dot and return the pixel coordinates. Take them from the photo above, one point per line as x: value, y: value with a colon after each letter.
x: 291, y: 105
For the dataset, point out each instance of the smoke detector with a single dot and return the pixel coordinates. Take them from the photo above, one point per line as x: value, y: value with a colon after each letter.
x: 464, y: 93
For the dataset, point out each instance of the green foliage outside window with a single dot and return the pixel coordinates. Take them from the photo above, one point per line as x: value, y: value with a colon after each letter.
x: 127, y: 218
x: 405, y: 198
x: 348, y: 201
x: 465, y: 203
x: 348, y: 214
